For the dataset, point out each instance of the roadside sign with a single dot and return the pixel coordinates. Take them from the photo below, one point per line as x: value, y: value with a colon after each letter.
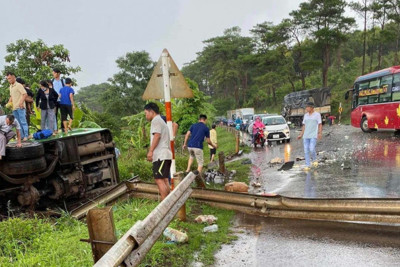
x: 178, y: 85
x: 167, y: 82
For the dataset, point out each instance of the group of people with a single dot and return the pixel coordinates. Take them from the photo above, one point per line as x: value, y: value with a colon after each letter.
x: 160, y: 153
x: 52, y: 97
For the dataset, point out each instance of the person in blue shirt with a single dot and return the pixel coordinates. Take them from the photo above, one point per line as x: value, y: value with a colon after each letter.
x: 67, y: 104
x: 197, y: 133
x: 57, y: 83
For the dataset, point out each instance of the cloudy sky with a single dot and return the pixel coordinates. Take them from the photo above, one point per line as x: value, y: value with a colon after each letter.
x: 97, y: 32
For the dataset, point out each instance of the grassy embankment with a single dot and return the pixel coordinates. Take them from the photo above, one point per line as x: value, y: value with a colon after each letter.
x: 55, y: 242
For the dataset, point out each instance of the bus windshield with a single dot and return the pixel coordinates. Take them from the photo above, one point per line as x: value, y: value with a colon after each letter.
x: 377, y: 90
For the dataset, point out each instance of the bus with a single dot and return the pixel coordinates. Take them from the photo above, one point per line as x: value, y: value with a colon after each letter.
x: 376, y: 100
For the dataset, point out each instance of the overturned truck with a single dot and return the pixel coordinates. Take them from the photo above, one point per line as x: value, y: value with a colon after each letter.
x: 58, y: 168
x: 294, y: 104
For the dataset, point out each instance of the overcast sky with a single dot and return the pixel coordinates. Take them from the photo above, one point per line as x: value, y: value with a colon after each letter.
x: 97, y: 32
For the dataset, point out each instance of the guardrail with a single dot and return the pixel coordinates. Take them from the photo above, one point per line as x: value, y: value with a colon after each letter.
x: 138, y: 240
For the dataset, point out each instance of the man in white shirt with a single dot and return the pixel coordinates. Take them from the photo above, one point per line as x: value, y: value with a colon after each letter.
x: 160, y: 148
x: 58, y: 83
x: 310, y: 132
x: 7, y: 122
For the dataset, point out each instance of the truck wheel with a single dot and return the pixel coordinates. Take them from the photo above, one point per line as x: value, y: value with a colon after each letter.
x: 29, y: 150
x: 20, y: 167
x: 364, y: 125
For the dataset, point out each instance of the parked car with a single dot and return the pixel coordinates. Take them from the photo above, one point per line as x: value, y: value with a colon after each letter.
x: 276, y: 129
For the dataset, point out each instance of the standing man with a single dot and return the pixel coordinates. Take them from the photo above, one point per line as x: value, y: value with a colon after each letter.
x: 213, y: 138
x: 67, y: 105
x: 311, y: 130
x: 7, y: 122
x: 160, y: 150
x: 58, y: 83
x: 28, y: 101
x: 17, y: 98
x: 197, y: 133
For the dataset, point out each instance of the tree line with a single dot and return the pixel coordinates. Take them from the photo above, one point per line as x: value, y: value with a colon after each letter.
x: 316, y: 46
x: 313, y: 47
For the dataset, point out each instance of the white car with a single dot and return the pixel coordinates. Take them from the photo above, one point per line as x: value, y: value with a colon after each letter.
x: 276, y: 129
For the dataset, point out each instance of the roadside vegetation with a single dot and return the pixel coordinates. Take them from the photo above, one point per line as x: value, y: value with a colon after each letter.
x: 48, y: 242
x: 55, y: 242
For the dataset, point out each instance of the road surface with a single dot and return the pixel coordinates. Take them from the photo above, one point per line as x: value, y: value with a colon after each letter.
x: 352, y: 164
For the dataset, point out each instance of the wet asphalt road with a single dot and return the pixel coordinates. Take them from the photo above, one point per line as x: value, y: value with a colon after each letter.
x: 352, y: 164
x: 279, y: 242
x: 371, y: 170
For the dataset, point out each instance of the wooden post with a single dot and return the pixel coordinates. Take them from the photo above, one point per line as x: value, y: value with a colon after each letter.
x: 221, y: 159
x: 182, y: 211
x: 101, y: 227
x: 237, y: 142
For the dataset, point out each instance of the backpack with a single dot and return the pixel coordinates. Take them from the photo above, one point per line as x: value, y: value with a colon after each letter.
x: 42, y: 134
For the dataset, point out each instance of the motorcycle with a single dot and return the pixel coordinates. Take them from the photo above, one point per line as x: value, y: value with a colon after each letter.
x: 238, y: 126
x: 259, y: 137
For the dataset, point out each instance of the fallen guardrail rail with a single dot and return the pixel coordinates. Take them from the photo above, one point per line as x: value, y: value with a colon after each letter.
x: 374, y: 210
x: 131, y: 248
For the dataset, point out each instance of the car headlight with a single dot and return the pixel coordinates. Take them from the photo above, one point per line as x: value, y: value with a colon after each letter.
x: 287, y: 131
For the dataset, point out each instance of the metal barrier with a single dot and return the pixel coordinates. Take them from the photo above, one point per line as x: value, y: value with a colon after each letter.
x: 138, y: 240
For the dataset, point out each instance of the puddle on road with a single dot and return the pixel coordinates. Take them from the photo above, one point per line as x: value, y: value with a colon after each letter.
x: 282, y: 242
x: 355, y: 165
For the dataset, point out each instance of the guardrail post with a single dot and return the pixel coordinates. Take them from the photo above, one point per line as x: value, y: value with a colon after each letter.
x: 221, y: 159
x: 237, y: 142
x: 101, y: 228
x: 182, y: 211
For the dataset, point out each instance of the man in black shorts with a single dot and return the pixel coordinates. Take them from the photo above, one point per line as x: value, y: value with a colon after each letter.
x: 160, y: 149
x: 67, y: 104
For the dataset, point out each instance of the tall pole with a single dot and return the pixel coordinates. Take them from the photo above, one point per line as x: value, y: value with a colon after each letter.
x: 168, y: 108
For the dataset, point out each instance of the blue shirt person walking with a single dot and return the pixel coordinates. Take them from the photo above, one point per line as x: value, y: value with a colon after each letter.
x: 311, y: 130
x: 197, y: 133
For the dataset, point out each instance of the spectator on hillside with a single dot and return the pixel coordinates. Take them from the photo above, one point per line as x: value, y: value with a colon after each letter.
x: 7, y: 122
x: 17, y: 100
x: 67, y: 104
x: 46, y: 100
x: 57, y: 84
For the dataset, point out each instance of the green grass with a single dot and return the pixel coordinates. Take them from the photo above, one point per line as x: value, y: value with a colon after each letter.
x: 163, y: 254
x: 133, y: 162
x: 45, y: 242
x: 55, y: 242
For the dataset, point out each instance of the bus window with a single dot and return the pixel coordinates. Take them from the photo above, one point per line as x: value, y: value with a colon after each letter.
x: 386, y: 80
x: 374, y: 84
x: 363, y: 100
x: 387, y: 97
x: 396, y: 83
x: 373, y: 99
x: 396, y: 96
x: 364, y: 85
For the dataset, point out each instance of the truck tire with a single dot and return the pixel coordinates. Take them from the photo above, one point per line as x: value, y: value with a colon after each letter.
x: 21, y: 167
x: 364, y: 125
x: 29, y: 150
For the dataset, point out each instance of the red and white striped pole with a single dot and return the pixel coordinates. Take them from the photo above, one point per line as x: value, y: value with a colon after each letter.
x: 168, y: 108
